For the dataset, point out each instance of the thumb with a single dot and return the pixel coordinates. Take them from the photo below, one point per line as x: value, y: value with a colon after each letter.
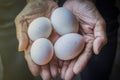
x: 23, y: 41
x: 100, y: 36
x: 21, y: 32
x: 98, y: 44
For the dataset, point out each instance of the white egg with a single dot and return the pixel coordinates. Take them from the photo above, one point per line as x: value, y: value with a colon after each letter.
x: 69, y: 46
x: 39, y: 28
x: 41, y: 51
x: 64, y: 21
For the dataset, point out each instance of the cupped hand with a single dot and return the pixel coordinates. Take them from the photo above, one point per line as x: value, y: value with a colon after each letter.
x: 48, y: 71
x: 92, y: 27
x: 34, y: 9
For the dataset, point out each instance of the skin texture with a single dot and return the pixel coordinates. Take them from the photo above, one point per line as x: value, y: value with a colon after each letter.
x: 34, y: 9
x: 92, y: 27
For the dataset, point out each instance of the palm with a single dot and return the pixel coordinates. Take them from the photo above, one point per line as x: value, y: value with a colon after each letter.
x: 32, y: 10
x: 92, y: 27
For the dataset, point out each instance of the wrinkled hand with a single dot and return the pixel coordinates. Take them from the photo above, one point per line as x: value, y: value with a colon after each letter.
x: 49, y: 70
x: 34, y: 9
x: 92, y: 27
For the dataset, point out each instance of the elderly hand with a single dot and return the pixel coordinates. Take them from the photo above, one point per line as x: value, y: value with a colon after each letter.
x: 34, y: 9
x: 92, y: 27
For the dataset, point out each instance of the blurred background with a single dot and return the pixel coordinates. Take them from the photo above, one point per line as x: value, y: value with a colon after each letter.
x: 115, y: 75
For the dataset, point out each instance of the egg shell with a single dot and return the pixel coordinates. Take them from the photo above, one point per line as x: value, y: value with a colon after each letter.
x: 41, y: 51
x: 64, y: 21
x: 69, y: 46
x: 39, y: 28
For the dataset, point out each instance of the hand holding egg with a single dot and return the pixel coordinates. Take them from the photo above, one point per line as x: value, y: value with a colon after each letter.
x: 67, y: 47
x: 33, y: 10
x: 63, y: 24
x: 92, y: 27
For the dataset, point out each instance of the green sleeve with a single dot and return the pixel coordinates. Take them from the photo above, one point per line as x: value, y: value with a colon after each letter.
x: 9, y: 9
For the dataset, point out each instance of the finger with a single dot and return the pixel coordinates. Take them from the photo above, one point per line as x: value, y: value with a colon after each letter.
x: 99, y: 42
x: 54, y: 67
x: 23, y: 41
x: 21, y: 32
x: 83, y: 58
x: 100, y: 36
x: 45, y: 72
x: 64, y: 68
x: 69, y: 73
x: 34, y: 68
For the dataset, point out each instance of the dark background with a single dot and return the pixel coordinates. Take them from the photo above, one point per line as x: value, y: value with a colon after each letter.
x: 115, y: 75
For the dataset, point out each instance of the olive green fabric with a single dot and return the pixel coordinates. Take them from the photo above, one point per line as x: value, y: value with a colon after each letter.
x: 8, y: 10
x: 12, y: 63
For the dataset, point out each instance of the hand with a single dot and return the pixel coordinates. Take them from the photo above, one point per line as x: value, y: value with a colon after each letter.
x: 34, y: 9
x: 92, y: 27
x: 47, y: 71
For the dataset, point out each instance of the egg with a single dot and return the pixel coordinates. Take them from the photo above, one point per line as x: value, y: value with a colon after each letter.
x: 41, y: 51
x: 39, y: 28
x: 69, y: 46
x: 64, y: 21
